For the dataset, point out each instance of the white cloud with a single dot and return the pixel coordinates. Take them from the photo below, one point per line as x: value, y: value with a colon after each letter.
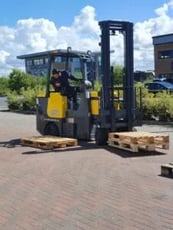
x: 35, y: 35
x: 3, y: 56
x: 144, y: 31
x: 162, y: 10
x: 85, y: 23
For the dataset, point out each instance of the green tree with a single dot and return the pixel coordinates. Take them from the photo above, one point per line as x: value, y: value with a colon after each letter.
x: 4, y: 86
x: 118, y: 74
x: 23, y: 89
x: 18, y: 80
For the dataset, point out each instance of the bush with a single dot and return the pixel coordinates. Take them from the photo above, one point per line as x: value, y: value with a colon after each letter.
x: 29, y: 100
x: 164, y: 105
x: 148, y: 108
x: 20, y: 81
x: 158, y: 106
x: 4, y: 86
x: 155, y: 106
x: 22, y: 90
x: 14, y: 102
x: 24, y: 102
x: 170, y: 110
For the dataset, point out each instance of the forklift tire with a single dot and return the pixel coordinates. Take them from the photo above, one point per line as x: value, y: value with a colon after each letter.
x: 101, y: 136
x: 51, y: 129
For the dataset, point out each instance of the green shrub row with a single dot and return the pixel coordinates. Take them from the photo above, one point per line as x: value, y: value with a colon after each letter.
x: 21, y: 90
x: 159, y: 107
x: 24, y: 102
x: 155, y: 106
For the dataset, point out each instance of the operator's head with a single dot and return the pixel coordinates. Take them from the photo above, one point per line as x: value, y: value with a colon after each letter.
x: 55, y: 73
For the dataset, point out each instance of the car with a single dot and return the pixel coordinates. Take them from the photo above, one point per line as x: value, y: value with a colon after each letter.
x: 159, y: 86
x: 160, y: 79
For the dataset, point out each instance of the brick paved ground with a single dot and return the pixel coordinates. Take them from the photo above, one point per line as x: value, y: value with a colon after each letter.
x: 85, y: 187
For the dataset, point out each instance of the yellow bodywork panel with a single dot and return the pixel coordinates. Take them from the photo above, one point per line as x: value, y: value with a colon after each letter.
x: 117, y: 105
x: 57, y: 105
x: 117, y: 99
x: 95, y: 103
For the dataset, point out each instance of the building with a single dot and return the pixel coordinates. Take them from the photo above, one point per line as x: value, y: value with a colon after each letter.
x: 38, y: 64
x: 140, y: 76
x: 163, y: 56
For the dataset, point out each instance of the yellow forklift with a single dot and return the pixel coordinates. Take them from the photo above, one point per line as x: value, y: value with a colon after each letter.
x: 109, y: 109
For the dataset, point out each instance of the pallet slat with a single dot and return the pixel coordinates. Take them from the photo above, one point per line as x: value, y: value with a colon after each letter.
x: 48, y: 142
x: 131, y: 147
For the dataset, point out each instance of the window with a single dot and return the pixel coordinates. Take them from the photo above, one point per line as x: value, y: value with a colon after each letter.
x: 46, y: 60
x: 29, y: 62
x: 75, y: 65
x: 38, y: 61
x: 165, y: 54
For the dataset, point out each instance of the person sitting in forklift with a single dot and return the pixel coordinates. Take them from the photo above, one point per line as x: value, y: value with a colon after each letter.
x: 60, y: 82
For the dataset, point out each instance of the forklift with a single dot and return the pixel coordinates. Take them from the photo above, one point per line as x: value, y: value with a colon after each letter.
x: 109, y: 109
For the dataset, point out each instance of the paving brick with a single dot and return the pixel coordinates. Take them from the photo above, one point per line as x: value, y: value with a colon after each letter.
x: 86, y: 188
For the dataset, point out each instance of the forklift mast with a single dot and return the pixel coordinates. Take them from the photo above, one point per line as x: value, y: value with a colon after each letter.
x: 109, y: 28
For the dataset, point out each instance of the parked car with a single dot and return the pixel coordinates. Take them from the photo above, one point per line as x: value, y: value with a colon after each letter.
x: 160, y: 79
x: 159, y: 86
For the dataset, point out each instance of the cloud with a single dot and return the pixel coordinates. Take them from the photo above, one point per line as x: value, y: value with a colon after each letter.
x: 85, y: 23
x: 144, y: 31
x: 36, y: 35
x: 162, y: 10
x: 3, y: 56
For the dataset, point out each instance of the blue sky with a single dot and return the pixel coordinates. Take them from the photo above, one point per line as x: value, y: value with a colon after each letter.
x: 38, y: 25
x: 63, y: 12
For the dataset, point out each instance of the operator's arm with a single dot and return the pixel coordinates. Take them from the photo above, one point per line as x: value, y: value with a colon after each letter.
x: 56, y: 85
x: 71, y: 77
x: 54, y: 82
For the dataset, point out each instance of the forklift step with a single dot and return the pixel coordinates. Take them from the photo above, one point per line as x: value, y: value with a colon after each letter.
x: 134, y: 141
x: 48, y: 142
x: 167, y: 170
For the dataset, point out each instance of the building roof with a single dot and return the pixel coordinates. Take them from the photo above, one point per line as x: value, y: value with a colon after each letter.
x: 53, y: 52
x: 162, y: 39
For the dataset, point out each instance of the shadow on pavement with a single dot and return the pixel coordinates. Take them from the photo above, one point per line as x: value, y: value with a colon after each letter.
x: 92, y: 146
x: 126, y: 153
x: 10, y: 144
x: 82, y: 145
x: 168, y: 177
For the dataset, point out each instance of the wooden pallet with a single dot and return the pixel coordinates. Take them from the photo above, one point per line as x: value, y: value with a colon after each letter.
x: 48, y: 142
x: 134, y: 141
x: 131, y: 147
x: 167, y: 170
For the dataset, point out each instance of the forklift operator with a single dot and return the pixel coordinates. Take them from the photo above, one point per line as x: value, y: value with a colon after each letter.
x: 60, y: 82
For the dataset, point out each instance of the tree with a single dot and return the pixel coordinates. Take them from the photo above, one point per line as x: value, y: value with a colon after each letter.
x: 18, y: 80
x: 118, y: 74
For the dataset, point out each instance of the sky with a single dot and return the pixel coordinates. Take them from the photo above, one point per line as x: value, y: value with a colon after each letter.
x: 39, y: 25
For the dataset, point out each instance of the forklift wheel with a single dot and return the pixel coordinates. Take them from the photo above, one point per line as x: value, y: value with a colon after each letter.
x: 51, y: 129
x: 101, y: 136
